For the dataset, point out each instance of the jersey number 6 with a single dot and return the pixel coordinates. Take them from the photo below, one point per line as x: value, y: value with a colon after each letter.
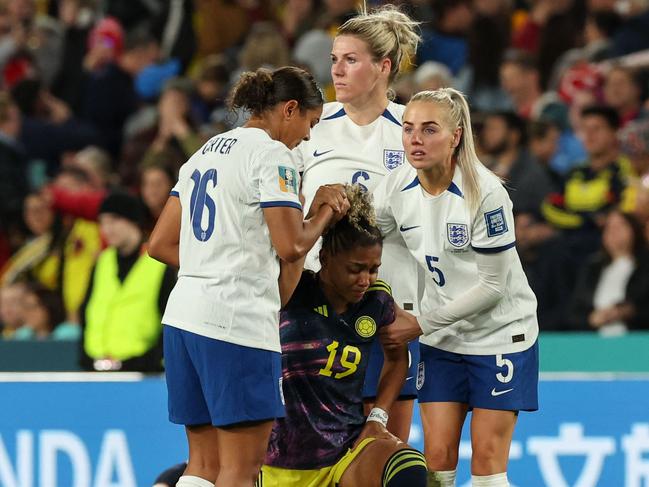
x: 201, y: 200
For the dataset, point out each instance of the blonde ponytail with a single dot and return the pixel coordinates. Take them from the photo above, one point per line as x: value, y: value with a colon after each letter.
x: 467, y: 160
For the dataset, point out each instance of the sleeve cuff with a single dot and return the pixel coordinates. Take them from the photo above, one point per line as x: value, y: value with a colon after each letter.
x: 426, y: 325
x: 494, y: 250
x: 275, y: 204
x: 174, y: 193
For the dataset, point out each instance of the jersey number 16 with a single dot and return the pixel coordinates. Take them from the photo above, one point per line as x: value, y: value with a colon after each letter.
x: 201, y: 201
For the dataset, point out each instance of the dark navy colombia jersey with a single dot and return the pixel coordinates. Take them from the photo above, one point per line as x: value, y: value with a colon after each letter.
x: 324, y: 358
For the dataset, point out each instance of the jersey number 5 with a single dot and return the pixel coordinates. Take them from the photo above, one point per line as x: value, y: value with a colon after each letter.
x: 200, y: 201
x: 350, y: 366
x: 438, y: 276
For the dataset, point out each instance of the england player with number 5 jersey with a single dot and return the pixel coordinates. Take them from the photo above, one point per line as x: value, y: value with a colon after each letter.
x: 233, y: 212
x: 359, y: 141
x: 478, y: 313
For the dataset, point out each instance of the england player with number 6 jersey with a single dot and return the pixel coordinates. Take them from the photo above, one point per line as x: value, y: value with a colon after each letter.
x: 359, y: 141
x: 478, y: 313
x: 233, y: 212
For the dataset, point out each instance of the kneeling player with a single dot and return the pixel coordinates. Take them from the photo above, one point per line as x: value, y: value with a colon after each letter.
x: 327, y: 329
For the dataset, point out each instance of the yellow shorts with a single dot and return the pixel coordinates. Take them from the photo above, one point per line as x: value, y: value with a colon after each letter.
x: 322, y: 477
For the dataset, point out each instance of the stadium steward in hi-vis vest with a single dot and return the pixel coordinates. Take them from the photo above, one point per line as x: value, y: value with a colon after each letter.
x: 128, y: 290
x: 122, y: 318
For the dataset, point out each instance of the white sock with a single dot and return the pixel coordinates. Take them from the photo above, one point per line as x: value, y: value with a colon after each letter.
x: 444, y: 478
x: 496, y: 480
x: 191, y: 481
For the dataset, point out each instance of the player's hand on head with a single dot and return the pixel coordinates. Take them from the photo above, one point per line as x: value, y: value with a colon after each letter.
x: 332, y: 195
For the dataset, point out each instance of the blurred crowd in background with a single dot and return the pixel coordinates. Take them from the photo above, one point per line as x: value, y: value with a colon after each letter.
x: 101, y: 102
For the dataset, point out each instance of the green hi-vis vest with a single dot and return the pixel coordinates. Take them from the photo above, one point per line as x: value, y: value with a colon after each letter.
x: 122, y: 318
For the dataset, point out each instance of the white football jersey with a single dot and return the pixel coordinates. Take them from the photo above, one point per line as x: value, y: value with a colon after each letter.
x: 227, y: 283
x: 443, y: 236
x: 340, y: 151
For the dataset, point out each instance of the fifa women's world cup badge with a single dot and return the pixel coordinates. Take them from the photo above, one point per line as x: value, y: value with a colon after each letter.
x: 287, y: 180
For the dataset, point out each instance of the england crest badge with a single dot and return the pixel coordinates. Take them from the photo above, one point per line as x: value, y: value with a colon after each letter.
x: 421, y: 376
x: 457, y: 234
x: 392, y: 158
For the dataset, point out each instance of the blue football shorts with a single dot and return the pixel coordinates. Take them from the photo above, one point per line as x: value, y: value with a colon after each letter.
x: 219, y: 383
x: 507, y: 382
x: 373, y: 373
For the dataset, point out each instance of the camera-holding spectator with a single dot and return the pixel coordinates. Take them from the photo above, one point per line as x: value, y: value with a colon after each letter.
x: 44, y: 316
x: 612, y: 293
x: 127, y: 295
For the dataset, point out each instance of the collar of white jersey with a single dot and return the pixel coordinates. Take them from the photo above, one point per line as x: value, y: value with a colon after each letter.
x: 386, y: 114
x: 454, y: 187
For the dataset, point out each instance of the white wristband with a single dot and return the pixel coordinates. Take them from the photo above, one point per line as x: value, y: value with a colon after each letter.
x: 378, y: 415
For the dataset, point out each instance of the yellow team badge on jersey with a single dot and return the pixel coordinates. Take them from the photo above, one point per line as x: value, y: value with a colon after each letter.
x: 287, y: 180
x: 365, y: 326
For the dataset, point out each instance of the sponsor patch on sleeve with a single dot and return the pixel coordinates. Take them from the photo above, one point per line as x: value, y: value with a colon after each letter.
x: 287, y: 179
x: 496, y: 223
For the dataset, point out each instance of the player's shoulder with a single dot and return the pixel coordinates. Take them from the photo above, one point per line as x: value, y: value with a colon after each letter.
x: 379, y: 303
x: 304, y: 291
x: 489, y: 182
x: 332, y: 110
x: 401, y: 179
x: 394, y: 112
x: 265, y: 149
x: 379, y: 287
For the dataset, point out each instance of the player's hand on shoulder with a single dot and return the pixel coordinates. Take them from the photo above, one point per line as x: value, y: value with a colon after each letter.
x: 403, y: 329
x: 374, y: 429
x: 332, y: 195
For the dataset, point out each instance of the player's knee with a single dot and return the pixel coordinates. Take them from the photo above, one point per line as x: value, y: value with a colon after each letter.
x: 405, y: 468
x: 441, y: 457
x: 486, y: 450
